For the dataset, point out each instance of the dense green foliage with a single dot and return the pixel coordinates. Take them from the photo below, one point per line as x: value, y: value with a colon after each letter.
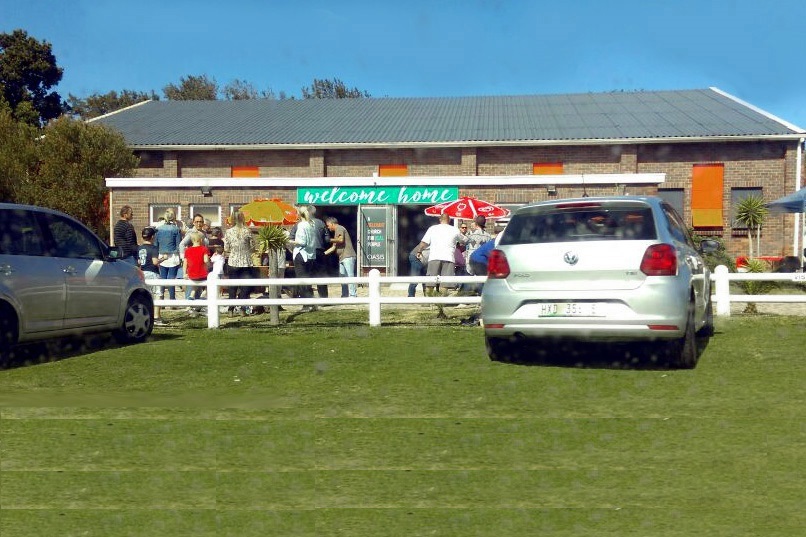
x: 331, y: 89
x: 192, y: 88
x: 28, y: 71
x: 98, y: 105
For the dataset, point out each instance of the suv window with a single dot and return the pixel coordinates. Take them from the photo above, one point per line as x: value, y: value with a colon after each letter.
x: 71, y: 239
x: 556, y: 224
x: 19, y: 233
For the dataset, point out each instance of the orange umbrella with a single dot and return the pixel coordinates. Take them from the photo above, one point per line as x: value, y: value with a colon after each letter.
x: 263, y: 212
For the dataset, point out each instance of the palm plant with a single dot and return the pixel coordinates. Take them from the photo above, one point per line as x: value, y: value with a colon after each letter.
x: 751, y: 212
x: 271, y: 241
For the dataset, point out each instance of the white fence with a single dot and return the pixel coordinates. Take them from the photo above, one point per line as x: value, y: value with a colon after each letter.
x: 722, y: 297
x: 375, y: 299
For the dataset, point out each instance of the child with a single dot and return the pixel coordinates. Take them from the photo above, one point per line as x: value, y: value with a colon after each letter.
x: 195, y: 265
x: 148, y: 258
x: 217, y: 260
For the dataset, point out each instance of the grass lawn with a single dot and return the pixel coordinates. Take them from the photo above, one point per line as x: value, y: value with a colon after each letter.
x: 326, y: 427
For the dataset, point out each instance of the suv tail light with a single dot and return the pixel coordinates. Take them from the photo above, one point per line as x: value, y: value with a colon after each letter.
x: 659, y: 260
x: 497, y: 265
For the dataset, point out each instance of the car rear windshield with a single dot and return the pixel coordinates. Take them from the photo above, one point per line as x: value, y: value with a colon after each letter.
x: 580, y: 222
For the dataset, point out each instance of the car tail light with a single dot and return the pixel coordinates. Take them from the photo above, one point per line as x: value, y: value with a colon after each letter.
x: 659, y: 260
x: 497, y: 265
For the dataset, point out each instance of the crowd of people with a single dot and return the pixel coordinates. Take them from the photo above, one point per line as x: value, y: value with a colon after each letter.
x: 446, y: 250
x: 173, y: 250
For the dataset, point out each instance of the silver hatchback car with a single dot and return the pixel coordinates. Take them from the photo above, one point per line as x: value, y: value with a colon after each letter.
x: 609, y: 269
x: 57, y: 278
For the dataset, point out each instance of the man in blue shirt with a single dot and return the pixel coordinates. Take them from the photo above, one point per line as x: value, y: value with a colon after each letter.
x: 478, y: 262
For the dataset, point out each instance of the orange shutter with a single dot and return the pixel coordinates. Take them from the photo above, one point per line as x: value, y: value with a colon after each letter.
x: 393, y: 170
x: 547, y: 168
x: 245, y: 171
x: 707, y: 190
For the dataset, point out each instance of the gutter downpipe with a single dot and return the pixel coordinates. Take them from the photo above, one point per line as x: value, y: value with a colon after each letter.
x: 799, y: 228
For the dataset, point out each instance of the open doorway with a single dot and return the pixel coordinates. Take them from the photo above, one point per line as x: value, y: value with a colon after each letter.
x: 346, y: 216
x: 412, y: 223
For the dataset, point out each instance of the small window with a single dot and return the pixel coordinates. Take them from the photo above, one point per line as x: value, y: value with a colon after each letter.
x: 736, y: 197
x: 209, y: 212
x: 393, y: 170
x: 157, y: 212
x: 707, y: 189
x: 150, y: 159
x: 547, y: 168
x: 245, y: 171
x: 674, y: 197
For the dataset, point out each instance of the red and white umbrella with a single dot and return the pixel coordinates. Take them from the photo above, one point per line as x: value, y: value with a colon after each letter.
x: 467, y: 208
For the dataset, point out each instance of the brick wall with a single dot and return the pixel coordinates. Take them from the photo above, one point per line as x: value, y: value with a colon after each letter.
x: 769, y: 165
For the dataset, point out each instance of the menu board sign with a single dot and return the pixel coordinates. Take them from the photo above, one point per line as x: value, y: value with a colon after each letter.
x: 373, y: 236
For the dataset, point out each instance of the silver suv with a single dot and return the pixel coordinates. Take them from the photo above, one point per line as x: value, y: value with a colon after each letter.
x: 609, y: 269
x: 57, y: 278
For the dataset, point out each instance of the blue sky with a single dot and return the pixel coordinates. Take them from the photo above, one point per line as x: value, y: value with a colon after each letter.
x: 430, y: 48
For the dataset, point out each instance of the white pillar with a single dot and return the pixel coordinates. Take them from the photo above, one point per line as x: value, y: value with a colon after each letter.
x: 722, y: 290
x: 374, y: 297
x: 213, y: 316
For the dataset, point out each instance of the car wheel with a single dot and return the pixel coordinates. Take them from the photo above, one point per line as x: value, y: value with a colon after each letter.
x: 498, y: 349
x: 8, y: 331
x: 683, y: 352
x: 707, y: 329
x: 138, y: 322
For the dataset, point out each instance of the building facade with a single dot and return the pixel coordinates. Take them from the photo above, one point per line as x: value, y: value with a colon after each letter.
x: 381, y: 163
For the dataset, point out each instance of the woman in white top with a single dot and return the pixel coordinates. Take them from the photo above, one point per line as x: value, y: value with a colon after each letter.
x: 304, y: 252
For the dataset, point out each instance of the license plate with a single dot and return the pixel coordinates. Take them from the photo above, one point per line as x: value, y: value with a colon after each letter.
x: 569, y: 309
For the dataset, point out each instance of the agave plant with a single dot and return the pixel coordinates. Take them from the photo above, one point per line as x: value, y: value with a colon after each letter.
x: 756, y: 287
x: 271, y: 241
x: 751, y: 212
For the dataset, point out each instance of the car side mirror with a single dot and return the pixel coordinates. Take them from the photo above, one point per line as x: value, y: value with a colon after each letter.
x: 113, y: 254
x: 708, y: 246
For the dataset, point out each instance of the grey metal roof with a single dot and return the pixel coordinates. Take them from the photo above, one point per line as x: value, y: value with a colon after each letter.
x: 642, y: 115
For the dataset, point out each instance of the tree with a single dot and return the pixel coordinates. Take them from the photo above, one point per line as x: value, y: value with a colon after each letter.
x: 75, y: 157
x: 97, y: 105
x: 240, y: 90
x: 27, y: 72
x: 751, y: 212
x: 192, y: 88
x: 331, y: 89
x: 17, y: 153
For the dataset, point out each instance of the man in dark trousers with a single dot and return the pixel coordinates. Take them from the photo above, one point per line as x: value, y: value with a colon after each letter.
x: 322, y: 236
x: 124, y: 236
x: 478, y: 260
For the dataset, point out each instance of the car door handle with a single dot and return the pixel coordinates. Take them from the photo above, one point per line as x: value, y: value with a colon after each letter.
x: 6, y: 269
x: 69, y: 269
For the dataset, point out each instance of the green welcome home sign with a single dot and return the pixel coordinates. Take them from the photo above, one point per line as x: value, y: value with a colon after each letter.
x: 377, y: 195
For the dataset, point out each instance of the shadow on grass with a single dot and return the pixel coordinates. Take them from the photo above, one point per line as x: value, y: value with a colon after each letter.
x: 587, y: 355
x: 323, y: 317
x: 53, y: 350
